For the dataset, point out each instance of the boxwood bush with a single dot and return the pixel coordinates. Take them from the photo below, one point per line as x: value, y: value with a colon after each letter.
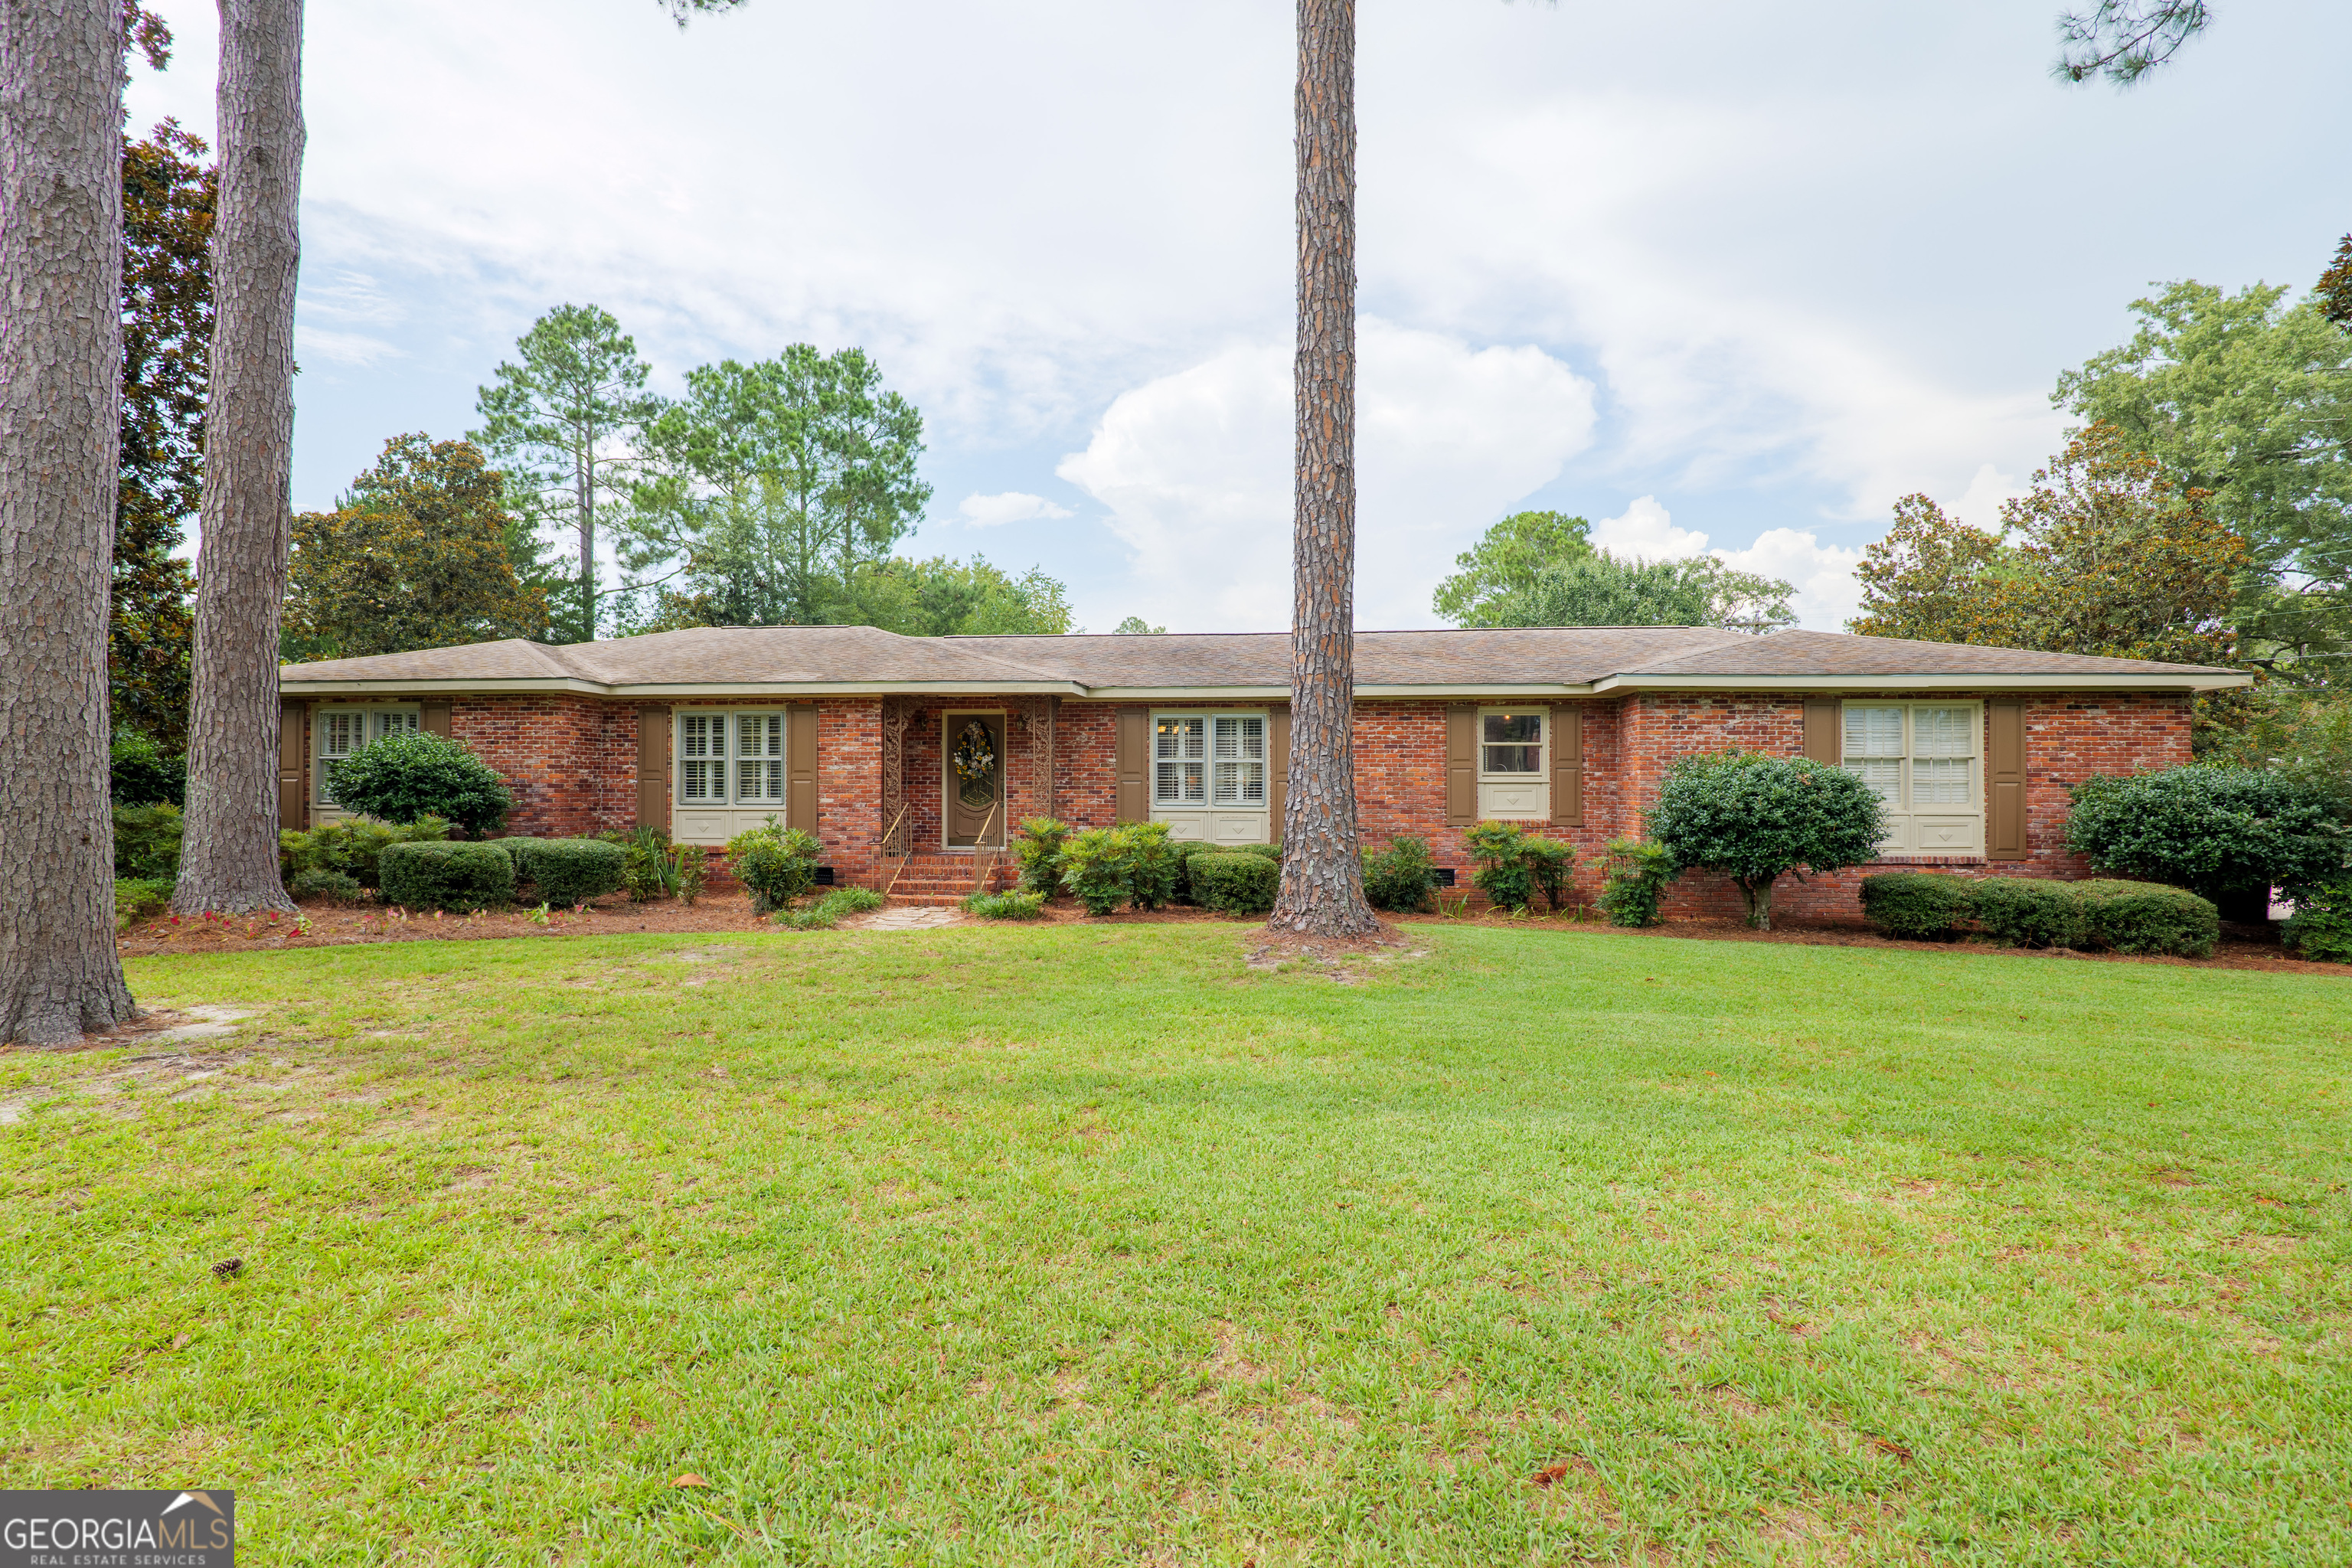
x: 2026, y: 911
x: 1402, y: 878
x: 352, y: 846
x: 410, y: 775
x: 1235, y: 882
x: 2148, y: 916
x: 436, y: 875
x: 568, y: 872
x: 1915, y: 906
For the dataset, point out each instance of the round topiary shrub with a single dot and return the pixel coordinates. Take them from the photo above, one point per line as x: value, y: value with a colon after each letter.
x: 1236, y: 882
x: 2229, y: 833
x: 1912, y: 906
x: 427, y: 875
x: 411, y: 775
x: 568, y: 872
x: 1751, y: 818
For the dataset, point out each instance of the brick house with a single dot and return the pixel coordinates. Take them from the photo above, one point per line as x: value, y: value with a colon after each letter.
x: 890, y: 747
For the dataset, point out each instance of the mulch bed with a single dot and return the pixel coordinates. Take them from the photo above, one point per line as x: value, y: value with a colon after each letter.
x: 728, y: 909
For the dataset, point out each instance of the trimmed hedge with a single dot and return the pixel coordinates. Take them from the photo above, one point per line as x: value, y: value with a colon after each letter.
x: 2026, y: 911
x: 1236, y: 882
x: 351, y: 847
x: 568, y: 872
x: 410, y: 775
x: 440, y: 875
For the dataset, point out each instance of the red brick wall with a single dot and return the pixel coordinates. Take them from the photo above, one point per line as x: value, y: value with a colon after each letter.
x: 572, y: 763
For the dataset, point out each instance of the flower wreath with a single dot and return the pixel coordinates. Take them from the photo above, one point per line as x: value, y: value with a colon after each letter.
x: 974, y: 758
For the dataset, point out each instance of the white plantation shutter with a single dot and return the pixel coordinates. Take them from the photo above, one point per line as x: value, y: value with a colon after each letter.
x: 339, y: 734
x: 1240, y: 758
x: 701, y: 760
x: 1179, y: 771
x: 1873, y: 749
x: 760, y: 758
x: 395, y: 721
x: 1942, y: 752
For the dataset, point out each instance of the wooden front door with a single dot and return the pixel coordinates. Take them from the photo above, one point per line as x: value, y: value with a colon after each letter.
x: 974, y: 768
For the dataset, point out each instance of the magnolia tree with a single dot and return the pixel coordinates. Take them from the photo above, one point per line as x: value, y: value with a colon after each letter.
x: 1752, y: 818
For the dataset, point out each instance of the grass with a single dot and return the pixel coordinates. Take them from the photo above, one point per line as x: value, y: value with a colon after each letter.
x: 1067, y: 1244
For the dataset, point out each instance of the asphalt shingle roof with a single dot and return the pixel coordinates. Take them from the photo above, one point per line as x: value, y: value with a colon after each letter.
x: 863, y: 656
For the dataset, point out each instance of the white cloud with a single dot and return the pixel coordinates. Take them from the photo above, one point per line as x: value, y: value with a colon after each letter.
x: 1012, y: 506
x: 357, y: 349
x: 1980, y: 504
x: 1195, y: 468
x: 1826, y: 596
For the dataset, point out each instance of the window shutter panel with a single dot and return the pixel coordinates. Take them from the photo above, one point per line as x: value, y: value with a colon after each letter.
x: 1461, y: 766
x: 1132, y: 765
x: 2005, y: 781
x: 1567, y: 765
x: 653, y: 768
x: 800, y: 768
x: 293, y: 803
x: 1822, y: 741
x: 432, y: 717
x: 1277, y: 769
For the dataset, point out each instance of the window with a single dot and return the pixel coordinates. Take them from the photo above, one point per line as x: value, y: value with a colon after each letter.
x: 1920, y: 758
x: 1239, y: 749
x: 337, y: 732
x: 753, y: 744
x: 1511, y: 744
x: 1216, y: 760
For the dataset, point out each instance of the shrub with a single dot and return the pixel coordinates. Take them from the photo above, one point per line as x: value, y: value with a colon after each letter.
x: 425, y: 874
x: 1263, y: 851
x: 2229, y: 833
x: 409, y: 775
x: 1503, y: 874
x: 519, y: 849
x: 1015, y: 905
x: 1185, y: 849
x: 1154, y: 865
x: 2028, y: 913
x: 140, y: 773
x: 1238, y: 883
x: 1916, y: 907
x: 568, y: 872
x: 1038, y: 851
x: 829, y: 911
x: 136, y: 898
x: 320, y: 883
x: 1094, y: 868
x: 1552, y: 866
x: 1402, y: 878
x: 2321, y: 926
x: 1751, y: 818
x: 778, y: 864
x: 147, y: 842
x: 2148, y: 916
x: 354, y: 845
x: 1636, y: 880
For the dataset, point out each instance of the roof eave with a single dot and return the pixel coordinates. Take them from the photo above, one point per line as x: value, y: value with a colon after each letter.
x: 2208, y: 680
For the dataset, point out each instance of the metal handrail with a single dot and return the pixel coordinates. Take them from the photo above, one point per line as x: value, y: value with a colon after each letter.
x: 978, y: 848
x: 888, y: 834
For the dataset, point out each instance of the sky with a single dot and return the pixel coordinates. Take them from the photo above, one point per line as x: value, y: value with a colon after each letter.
x: 1719, y: 277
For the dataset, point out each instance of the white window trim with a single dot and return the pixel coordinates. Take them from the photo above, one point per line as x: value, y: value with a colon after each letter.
x: 1543, y: 728
x: 1905, y: 806
x: 1209, y: 717
x: 730, y: 760
x: 372, y: 714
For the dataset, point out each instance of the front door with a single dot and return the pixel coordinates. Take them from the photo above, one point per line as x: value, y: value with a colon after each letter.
x: 975, y: 781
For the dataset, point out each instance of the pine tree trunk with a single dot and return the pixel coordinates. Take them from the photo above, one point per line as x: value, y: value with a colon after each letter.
x: 1322, y: 878
x: 585, y: 477
x: 230, y: 859
x: 61, y: 395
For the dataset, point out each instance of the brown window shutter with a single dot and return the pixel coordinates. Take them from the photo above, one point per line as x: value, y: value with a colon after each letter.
x: 1823, y: 743
x: 653, y: 768
x: 1131, y: 762
x: 2005, y: 781
x: 1277, y: 769
x: 293, y: 801
x: 800, y: 766
x: 1567, y: 765
x: 1461, y: 766
x: 434, y: 719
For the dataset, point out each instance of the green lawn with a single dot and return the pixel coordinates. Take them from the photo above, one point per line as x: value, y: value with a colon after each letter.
x: 1094, y: 1246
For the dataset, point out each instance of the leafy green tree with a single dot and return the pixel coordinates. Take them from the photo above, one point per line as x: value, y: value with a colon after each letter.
x: 2335, y: 291
x: 1507, y: 559
x: 2229, y: 835
x: 2112, y: 557
x: 2251, y: 398
x: 561, y: 424
x: 2123, y: 40
x: 942, y: 597
x: 414, y: 556
x: 1596, y: 589
x: 773, y: 491
x: 168, y: 192
x: 1754, y: 819
x: 1137, y: 627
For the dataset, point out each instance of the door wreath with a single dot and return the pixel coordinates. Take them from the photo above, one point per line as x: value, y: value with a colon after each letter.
x: 975, y: 764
